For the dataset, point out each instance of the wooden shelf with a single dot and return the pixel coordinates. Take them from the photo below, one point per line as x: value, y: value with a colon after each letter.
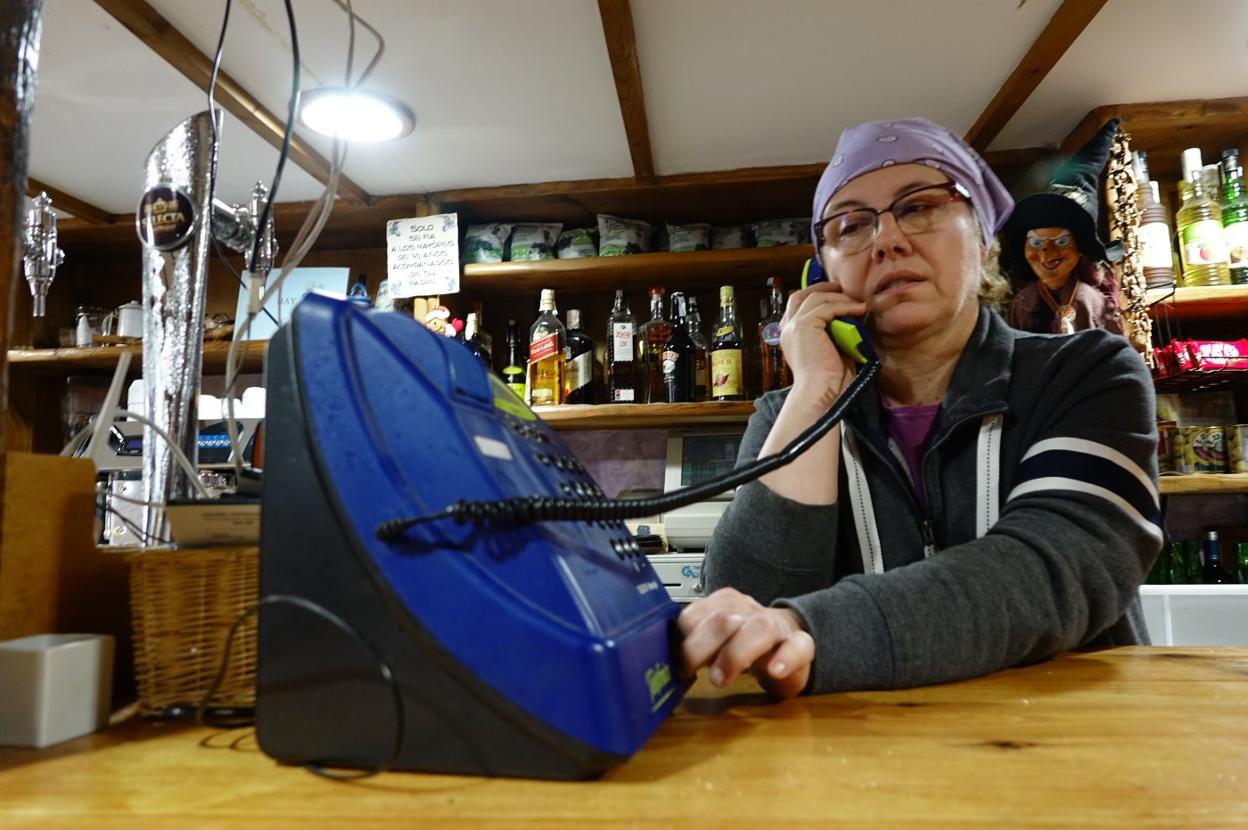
x: 1215, y: 302
x: 1214, y: 483
x: 645, y: 416
x: 58, y: 361
x: 638, y: 271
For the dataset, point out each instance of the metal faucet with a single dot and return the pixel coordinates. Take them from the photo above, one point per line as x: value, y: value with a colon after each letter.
x: 40, y: 255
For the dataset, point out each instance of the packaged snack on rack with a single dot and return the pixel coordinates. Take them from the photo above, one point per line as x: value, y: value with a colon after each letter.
x: 684, y: 238
x: 729, y: 237
x: 485, y: 243
x: 576, y: 243
x: 533, y: 242
x: 618, y: 237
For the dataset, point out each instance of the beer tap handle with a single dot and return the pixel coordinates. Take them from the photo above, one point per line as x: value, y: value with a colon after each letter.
x: 40, y: 256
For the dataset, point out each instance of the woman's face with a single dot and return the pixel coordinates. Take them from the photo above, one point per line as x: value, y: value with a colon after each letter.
x: 1052, y: 255
x: 911, y: 284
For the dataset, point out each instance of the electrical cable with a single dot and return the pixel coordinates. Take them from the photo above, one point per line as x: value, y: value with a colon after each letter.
x: 144, y: 538
x: 320, y: 768
x: 545, y: 509
x: 311, y: 229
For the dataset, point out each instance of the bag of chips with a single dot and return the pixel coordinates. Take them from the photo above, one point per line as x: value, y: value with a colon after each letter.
x: 683, y: 238
x: 618, y: 237
x: 533, y: 242
x: 485, y: 243
x: 773, y: 232
x: 575, y: 243
x: 729, y: 237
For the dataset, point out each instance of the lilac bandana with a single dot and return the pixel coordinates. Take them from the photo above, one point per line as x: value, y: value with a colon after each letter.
x: 879, y: 144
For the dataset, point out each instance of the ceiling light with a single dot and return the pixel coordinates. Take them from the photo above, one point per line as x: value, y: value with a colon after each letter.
x: 354, y: 116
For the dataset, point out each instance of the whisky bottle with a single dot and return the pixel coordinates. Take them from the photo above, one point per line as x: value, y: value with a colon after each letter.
x: 775, y: 371
x: 679, y: 355
x: 651, y: 338
x: 548, y: 342
x: 578, y: 379
x: 513, y: 372
x: 701, y: 353
x: 621, y: 362
x: 727, y: 382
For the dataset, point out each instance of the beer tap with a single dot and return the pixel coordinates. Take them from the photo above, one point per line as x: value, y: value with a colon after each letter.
x: 40, y: 254
x: 234, y: 226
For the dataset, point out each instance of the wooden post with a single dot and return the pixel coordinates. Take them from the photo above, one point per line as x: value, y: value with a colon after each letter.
x: 19, y: 49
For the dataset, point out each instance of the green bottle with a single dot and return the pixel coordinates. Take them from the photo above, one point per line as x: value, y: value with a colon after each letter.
x: 1176, y: 565
x: 513, y: 372
x: 1241, y: 563
x: 1191, y: 562
x: 1159, y: 574
x: 1235, y: 216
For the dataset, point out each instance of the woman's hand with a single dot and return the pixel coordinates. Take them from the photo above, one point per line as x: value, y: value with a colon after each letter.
x: 731, y: 633
x: 809, y: 351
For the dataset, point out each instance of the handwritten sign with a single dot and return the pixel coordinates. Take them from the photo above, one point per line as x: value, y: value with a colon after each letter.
x: 298, y: 283
x: 422, y: 255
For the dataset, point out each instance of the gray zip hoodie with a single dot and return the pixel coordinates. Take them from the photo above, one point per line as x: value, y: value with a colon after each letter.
x: 1079, y: 524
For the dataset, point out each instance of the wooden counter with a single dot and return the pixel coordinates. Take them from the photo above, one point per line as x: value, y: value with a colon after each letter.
x: 1130, y: 738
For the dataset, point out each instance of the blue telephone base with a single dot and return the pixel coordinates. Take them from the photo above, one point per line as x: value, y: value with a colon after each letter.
x: 321, y: 698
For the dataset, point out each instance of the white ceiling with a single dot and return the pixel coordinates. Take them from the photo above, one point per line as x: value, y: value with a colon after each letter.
x: 1136, y: 51
x: 739, y: 83
x: 517, y: 91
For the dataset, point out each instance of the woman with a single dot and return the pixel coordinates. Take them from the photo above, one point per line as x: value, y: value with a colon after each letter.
x: 990, y: 498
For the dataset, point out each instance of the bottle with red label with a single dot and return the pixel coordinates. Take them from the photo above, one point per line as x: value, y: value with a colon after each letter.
x: 775, y: 371
x: 651, y: 338
x: 548, y: 342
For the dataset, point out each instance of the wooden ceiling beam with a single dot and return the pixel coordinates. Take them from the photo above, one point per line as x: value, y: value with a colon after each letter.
x: 1168, y: 125
x: 1067, y: 23
x: 149, y: 26
x: 70, y: 204
x: 617, y: 27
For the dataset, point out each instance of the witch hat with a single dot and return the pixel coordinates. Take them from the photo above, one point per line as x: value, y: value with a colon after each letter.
x: 1071, y: 201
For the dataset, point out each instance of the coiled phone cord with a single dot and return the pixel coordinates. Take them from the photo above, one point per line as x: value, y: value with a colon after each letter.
x: 506, y: 512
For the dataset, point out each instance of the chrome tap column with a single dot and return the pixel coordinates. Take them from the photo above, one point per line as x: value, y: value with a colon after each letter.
x: 173, y: 225
x: 40, y: 254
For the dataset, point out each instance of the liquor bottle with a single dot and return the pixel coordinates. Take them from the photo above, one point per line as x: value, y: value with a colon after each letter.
x: 1202, y: 246
x: 1212, y: 572
x: 701, y: 352
x: 651, y: 338
x: 1235, y: 216
x: 776, y: 372
x: 1156, y: 255
x: 679, y: 358
x: 478, y: 339
x: 1241, y: 563
x: 578, y: 381
x: 513, y: 372
x: 727, y: 383
x: 621, y: 362
x: 1191, y: 562
x: 548, y: 343
x: 1159, y: 574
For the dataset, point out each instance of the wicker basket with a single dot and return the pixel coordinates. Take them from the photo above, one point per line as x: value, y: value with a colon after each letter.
x: 182, y: 603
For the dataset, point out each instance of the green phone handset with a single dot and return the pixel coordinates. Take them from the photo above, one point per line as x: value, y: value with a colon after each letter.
x: 849, y: 335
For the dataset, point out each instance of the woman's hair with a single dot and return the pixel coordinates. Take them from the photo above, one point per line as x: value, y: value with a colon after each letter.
x: 994, y: 288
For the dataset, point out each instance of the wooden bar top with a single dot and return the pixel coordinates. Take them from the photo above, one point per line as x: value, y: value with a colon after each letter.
x: 1131, y: 737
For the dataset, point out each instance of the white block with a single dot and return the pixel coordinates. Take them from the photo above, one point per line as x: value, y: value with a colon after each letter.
x: 54, y: 687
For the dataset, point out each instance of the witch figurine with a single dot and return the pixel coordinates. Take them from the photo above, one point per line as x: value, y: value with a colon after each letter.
x: 1053, y: 255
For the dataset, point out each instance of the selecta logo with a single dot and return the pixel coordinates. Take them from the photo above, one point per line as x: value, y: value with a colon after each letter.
x: 165, y: 218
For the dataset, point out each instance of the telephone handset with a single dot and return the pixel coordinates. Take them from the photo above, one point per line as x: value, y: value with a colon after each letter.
x: 849, y: 335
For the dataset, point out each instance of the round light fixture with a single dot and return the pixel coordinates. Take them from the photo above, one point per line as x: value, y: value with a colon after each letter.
x: 354, y: 116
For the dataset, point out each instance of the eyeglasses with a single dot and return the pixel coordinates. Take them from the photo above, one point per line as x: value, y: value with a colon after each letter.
x: 1036, y: 242
x: 916, y: 212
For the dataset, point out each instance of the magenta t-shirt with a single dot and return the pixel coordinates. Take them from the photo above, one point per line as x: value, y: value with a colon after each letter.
x: 911, y: 428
